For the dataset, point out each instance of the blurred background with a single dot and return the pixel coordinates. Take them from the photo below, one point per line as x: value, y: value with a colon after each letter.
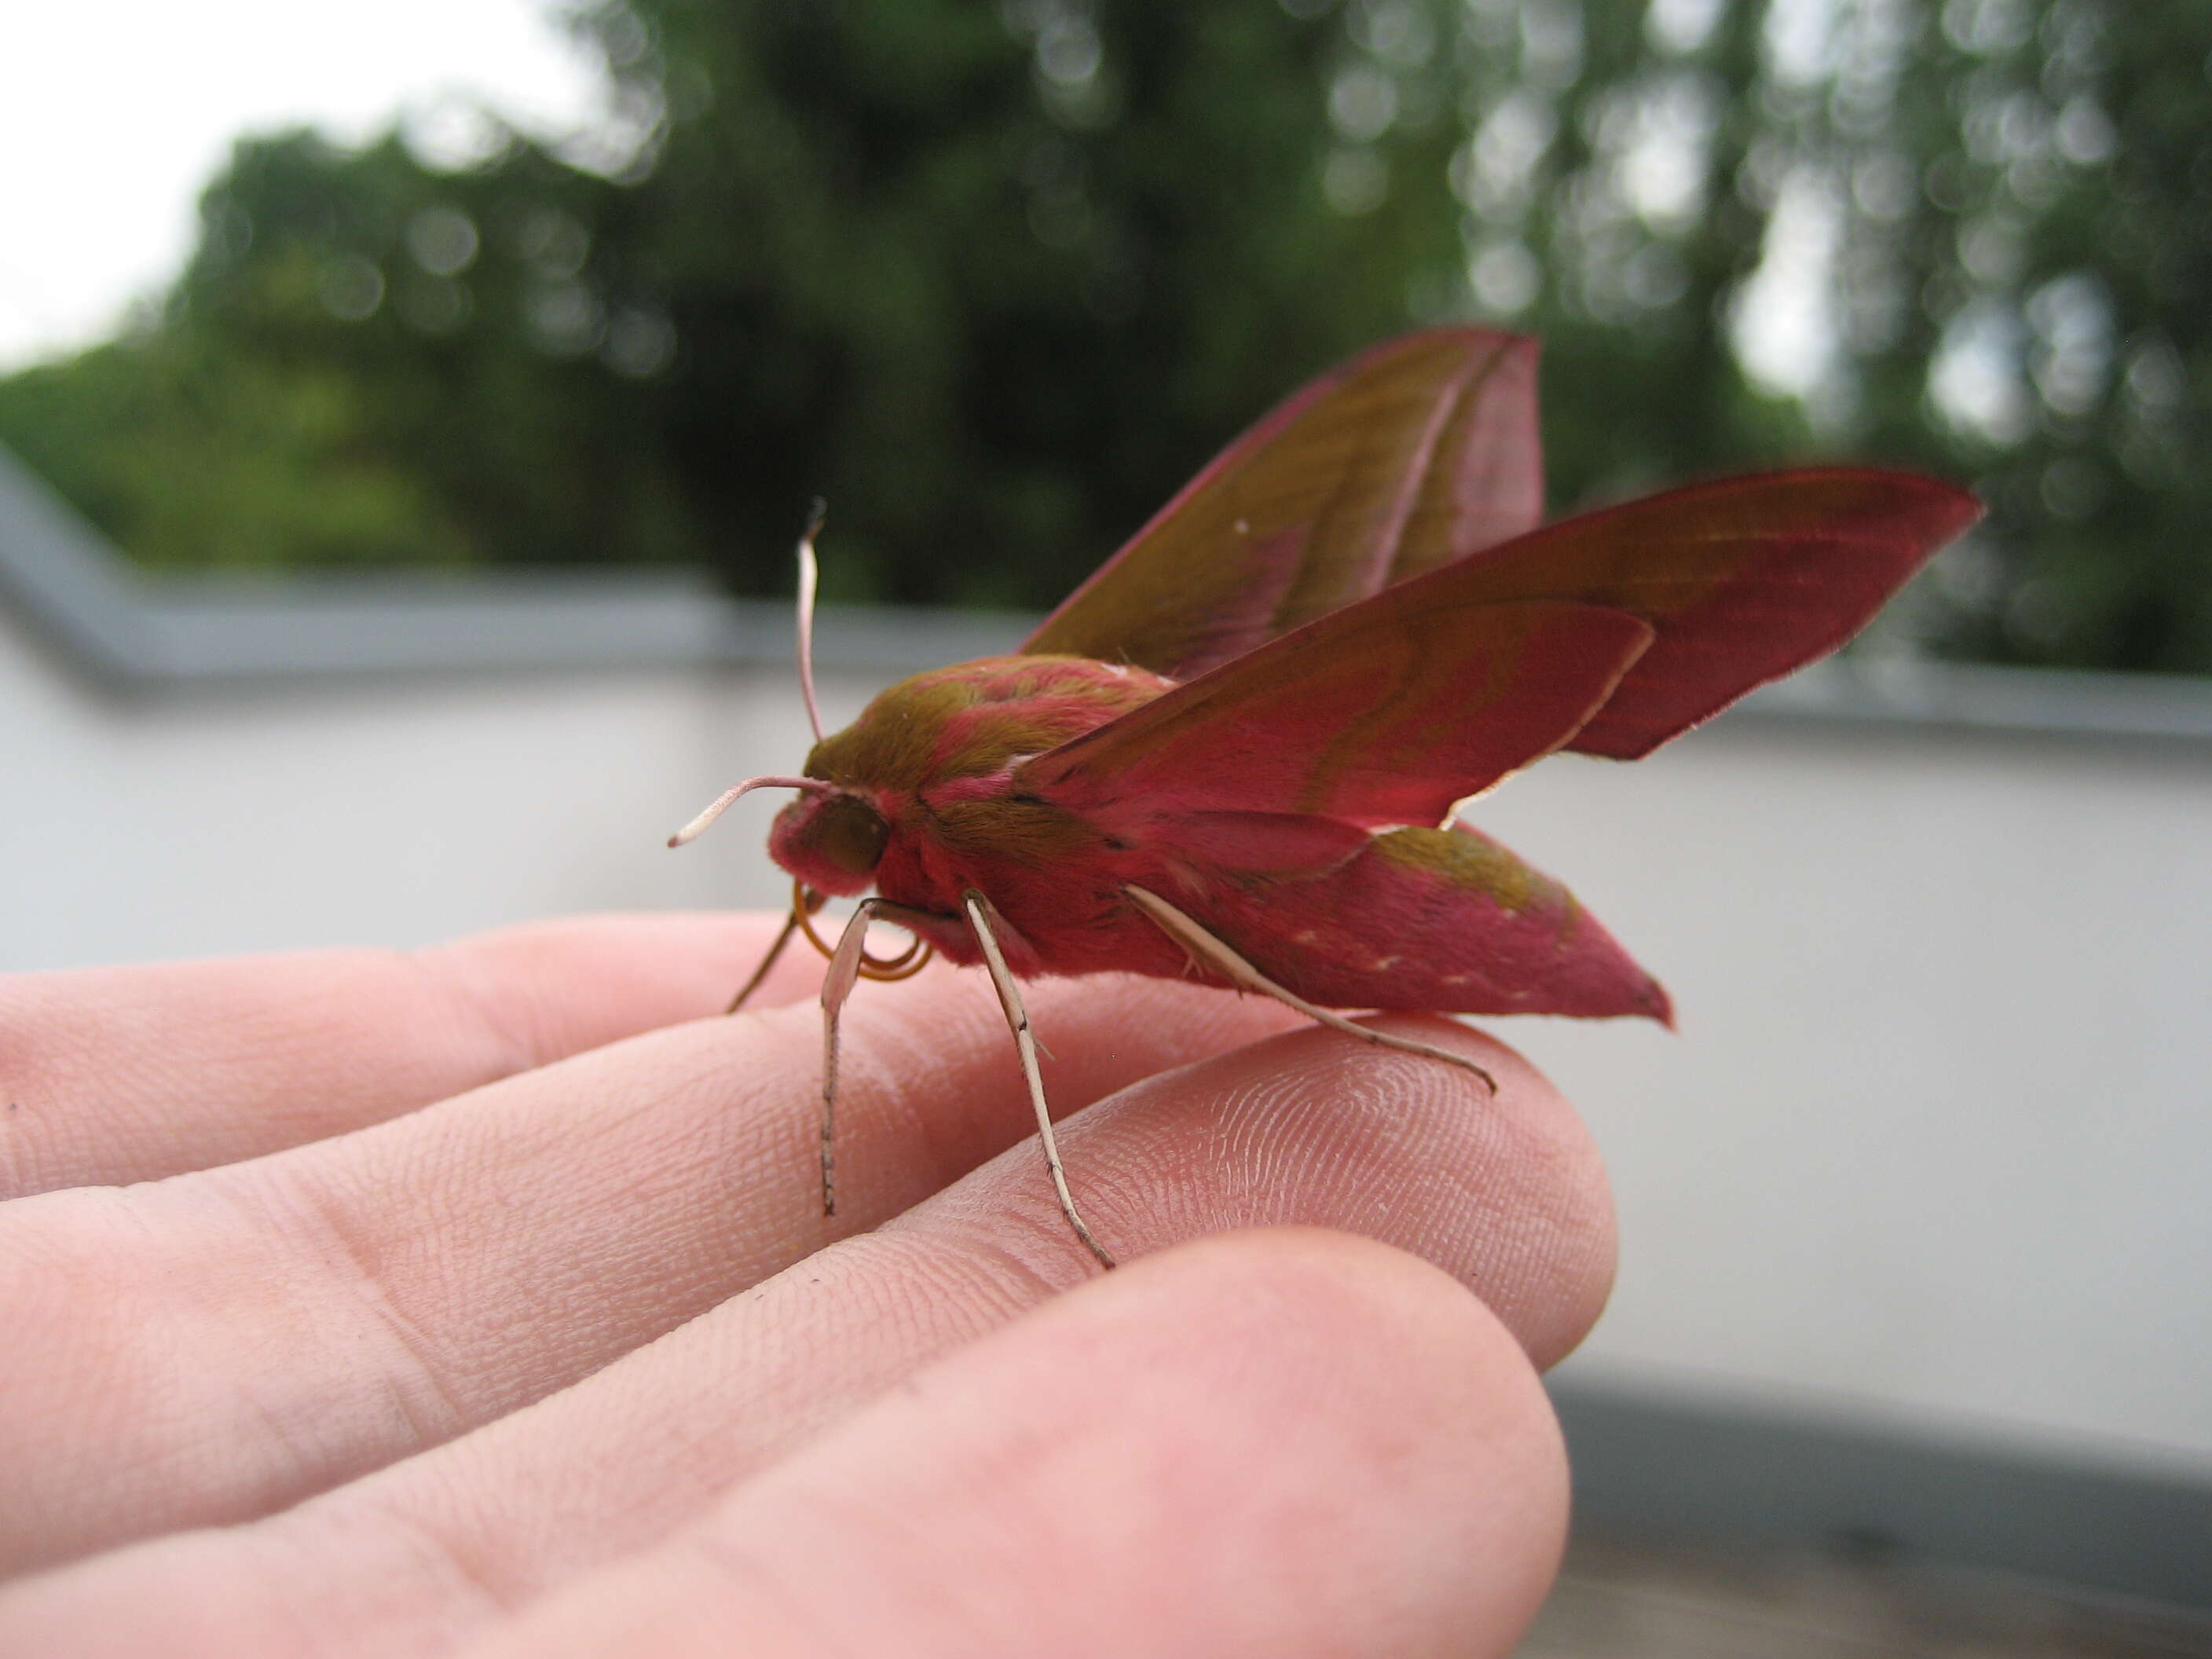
x: 990, y: 277
x: 404, y: 423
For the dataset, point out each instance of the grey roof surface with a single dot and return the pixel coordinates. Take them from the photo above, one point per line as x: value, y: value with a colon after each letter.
x: 131, y: 633
x: 135, y: 634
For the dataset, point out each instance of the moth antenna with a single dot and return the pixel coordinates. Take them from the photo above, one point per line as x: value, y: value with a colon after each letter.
x: 810, y: 576
x: 692, y: 830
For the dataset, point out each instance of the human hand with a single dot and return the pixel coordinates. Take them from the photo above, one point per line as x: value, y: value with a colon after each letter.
x: 485, y: 1309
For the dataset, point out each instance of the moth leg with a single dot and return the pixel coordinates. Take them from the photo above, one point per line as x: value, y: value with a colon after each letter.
x: 1217, y: 954
x: 790, y: 927
x: 1017, y: 1020
x: 836, y: 986
x: 813, y: 902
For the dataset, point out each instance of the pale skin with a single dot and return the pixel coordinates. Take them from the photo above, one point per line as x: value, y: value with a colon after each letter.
x: 479, y: 1301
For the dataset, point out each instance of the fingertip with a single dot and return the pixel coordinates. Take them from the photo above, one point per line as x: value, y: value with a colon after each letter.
x: 1538, y: 1168
x: 1289, y: 1442
x: 1505, y: 1194
x: 1408, y: 1328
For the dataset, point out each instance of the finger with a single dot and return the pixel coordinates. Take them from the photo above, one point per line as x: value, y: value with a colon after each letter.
x: 1301, y: 1445
x: 223, y: 1344
x: 1309, y: 1127
x: 117, y: 1074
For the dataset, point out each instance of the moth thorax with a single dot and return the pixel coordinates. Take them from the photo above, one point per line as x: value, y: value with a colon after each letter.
x: 832, y: 843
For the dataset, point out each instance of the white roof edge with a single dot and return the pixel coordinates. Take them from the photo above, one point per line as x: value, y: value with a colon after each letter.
x: 140, y: 635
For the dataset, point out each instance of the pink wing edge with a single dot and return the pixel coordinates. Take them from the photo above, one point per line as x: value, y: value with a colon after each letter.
x: 1263, y: 431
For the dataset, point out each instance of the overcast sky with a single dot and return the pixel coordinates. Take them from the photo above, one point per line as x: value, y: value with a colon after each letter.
x: 114, y: 114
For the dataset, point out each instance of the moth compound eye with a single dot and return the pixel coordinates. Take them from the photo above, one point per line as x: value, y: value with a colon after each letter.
x: 831, y: 842
x: 847, y: 833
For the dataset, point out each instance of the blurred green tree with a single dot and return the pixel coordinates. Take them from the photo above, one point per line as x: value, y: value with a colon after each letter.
x: 369, y: 362
x: 994, y: 280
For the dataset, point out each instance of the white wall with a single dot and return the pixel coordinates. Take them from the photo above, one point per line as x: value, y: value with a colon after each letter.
x: 1936, y: 1133
x: 372, y: 812
x: 1934, y: 1139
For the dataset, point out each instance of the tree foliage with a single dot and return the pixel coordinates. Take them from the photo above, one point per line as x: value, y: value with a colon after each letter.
x: 994, y: 279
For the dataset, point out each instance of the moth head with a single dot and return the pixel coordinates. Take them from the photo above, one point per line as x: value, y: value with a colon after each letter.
x: 832, y: 840
x: 831, y: 837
